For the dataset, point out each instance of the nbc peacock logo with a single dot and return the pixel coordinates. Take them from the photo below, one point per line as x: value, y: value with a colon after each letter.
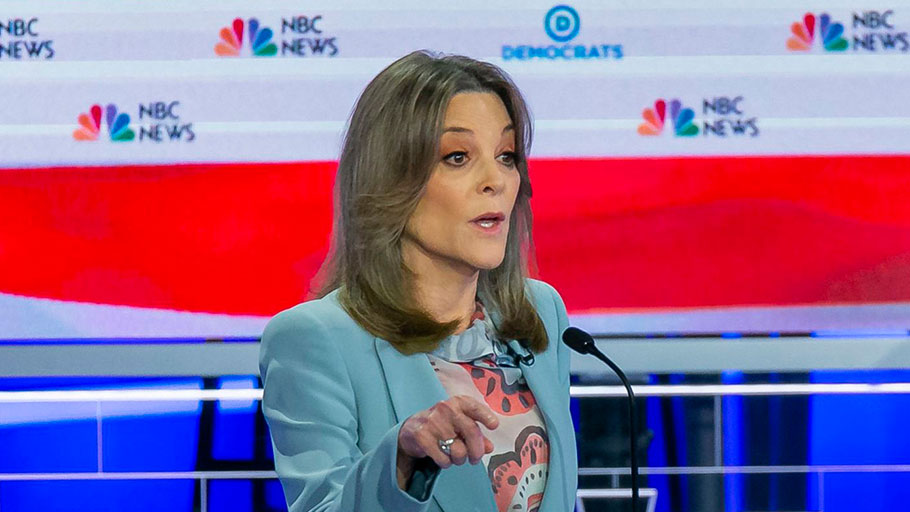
x: 681, y: 117
x: 803, y: 34
x: 259, y: 37
x: 118, y: 124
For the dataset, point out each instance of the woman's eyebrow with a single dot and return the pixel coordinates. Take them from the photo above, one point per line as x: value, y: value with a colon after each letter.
x: 460, y: 129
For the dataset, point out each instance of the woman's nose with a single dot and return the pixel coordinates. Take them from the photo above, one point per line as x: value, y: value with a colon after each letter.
x: 492, y: 177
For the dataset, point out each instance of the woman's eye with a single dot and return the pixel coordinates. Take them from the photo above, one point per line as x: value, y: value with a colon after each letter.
x: 508, y: 158
x: 456, y: 157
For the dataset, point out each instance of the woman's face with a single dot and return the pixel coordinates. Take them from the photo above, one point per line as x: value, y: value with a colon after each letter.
x: 462, y: 219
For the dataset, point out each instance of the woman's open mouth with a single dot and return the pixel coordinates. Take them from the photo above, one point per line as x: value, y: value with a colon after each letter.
x: 490, y: 222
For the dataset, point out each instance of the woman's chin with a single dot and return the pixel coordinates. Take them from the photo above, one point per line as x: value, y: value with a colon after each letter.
x: 488, y: 263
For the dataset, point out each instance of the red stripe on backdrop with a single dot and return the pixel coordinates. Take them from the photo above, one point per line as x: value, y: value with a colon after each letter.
x: 639, y: 234
x: 700, y: 232
x: 226, y: 238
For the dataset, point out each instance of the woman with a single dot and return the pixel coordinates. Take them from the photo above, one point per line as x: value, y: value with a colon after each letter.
x: 429, y: 376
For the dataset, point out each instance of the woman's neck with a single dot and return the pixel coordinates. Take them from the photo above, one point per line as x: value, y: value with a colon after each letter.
x: 446, y: 292
x: 449, y: 301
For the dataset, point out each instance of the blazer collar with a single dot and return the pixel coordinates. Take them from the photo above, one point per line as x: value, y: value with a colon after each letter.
x: 542, y: 384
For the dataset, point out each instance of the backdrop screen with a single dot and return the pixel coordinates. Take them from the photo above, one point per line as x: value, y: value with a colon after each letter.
x: 166, y: 170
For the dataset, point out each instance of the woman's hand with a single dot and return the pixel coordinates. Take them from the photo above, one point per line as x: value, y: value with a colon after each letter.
x: 456, y: 418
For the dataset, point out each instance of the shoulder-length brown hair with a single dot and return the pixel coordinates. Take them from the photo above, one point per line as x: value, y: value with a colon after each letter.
x: 389, y: 151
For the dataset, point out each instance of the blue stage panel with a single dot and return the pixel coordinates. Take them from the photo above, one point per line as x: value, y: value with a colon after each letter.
x: 97, y: 496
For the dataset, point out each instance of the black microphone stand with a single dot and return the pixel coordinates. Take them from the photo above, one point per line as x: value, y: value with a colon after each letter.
x: 632, y: 423
x: 583, y: 343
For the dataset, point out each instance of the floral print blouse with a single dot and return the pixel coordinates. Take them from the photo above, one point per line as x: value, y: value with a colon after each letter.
x: 476, y: 363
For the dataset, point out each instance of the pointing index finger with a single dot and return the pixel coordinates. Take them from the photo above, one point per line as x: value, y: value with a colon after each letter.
x: 481, y: 412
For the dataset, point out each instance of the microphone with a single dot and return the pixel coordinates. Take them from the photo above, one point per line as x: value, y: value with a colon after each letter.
x: 528, y: 360
x: 521, y: 353
x: 583, y: 343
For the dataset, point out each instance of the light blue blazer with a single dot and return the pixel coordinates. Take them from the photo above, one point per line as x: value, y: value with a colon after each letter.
x: 335, y: 397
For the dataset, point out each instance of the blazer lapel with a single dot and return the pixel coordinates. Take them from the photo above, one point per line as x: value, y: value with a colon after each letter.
x: 541, y: 384
x: 413, y: 387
